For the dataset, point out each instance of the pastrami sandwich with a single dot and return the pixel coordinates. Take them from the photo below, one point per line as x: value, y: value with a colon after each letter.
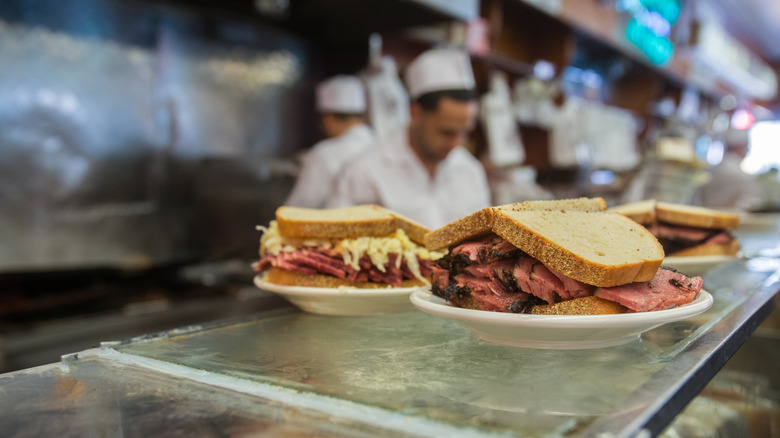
x: 363, y: 246
x: 554, y: 257
x: 685, y: 230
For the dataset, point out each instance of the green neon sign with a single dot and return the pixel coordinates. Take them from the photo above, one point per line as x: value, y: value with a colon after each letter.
x: 658, y: 49
x: 669, y: 9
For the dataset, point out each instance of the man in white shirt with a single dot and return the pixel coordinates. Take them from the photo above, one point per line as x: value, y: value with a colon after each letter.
x: 341, y: 103
x: 422, y: 171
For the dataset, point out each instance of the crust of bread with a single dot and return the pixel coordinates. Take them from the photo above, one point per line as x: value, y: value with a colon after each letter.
x: 708, y: 249
x: 642, y: 212
x: 601, y: 249
x: 466, y: 303
x: 290, y: 278
x: 481, y: 221
x: 694, y: 216
x: 578, y: 204
x: 590, y: 305
x: 345, y: 223
x: 472, y: 225
x: 414, y: 230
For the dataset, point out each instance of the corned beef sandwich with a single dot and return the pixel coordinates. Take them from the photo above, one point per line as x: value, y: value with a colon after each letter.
x: 363, y: 246
x: 685, y: 230
x: 554, y: 257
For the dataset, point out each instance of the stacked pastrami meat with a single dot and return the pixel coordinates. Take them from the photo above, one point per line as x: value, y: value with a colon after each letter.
x: 328, y: 261
x: 676, y: 238
x: 491, y: 274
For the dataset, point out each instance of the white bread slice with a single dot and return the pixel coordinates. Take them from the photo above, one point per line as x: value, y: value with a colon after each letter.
x: 598, y: 248
x: 481, y: 221
x: 345, y: 223
x: 693, y: 216
x: 642, y: 212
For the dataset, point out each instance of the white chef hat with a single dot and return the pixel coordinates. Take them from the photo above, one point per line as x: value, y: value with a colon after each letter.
x: 438, y: 70
x: 341, y: 94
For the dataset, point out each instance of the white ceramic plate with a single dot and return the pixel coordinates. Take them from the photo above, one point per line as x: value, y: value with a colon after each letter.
x: 343, y: 301
x: 557, y: 331
x: 697, y: 265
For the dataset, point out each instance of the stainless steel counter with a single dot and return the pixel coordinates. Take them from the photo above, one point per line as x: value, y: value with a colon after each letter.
x: 406, y: 374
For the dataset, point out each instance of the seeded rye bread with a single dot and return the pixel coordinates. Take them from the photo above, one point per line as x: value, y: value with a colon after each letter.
x: 481, y: 222
x: 345, y: 223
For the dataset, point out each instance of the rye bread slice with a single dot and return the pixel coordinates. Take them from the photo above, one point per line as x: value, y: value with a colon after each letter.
x: 694, y: 216
x: 345, y: 223
x: 598, y: 248
x: 481, y: 222
x: 473, y: 225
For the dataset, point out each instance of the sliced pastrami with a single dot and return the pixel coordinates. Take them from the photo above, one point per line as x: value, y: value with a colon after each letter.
x: 426, y: 267
x: 472, y: 248
x: 500, y: 248
x: 491, y: 295
x: 492, y: 270
x: 322, y: 261
x: 534, y: 278
x: 571, y: 287
x: 486, y: 249
x: 719, y: 239
x: 662, y: 230
x: 264, y: 263
x: 669, y: 288
x: 440, y: 277
x: 286, y: 261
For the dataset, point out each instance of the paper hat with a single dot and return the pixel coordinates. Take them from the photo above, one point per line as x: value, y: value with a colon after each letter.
x: 341, y: 94
x: 438, y: 70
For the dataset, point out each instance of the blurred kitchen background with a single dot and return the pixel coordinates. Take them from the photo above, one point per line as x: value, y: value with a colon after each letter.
x: 141, y: 142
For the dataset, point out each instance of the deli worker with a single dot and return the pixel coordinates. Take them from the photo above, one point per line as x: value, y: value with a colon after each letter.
x: 341, y: 103
x: 423, y: 171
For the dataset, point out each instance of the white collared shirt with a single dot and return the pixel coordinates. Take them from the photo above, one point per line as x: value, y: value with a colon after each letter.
x: 392, y: 175
x: 323, y: 163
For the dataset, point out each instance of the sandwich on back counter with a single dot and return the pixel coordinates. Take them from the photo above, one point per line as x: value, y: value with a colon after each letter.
x: 363, y: 246
x: 565, y: 257
x: 685, y: 230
